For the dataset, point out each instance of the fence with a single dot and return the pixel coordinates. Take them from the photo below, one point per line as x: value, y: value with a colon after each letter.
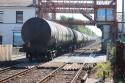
x: 7, y: 52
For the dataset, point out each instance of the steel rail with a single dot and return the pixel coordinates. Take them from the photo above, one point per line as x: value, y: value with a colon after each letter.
x: 5, y: 69
x: 77, y: 75
x: 15, y: 75
x: 50, y: 74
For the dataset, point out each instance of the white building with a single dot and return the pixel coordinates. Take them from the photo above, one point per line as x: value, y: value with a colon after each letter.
x: 119, y: 19
x: 13, y: 13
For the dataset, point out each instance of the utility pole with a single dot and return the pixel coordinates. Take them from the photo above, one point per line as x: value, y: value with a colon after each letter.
x: 122, y: 34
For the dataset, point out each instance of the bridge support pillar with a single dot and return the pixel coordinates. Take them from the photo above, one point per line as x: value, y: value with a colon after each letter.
x: 107, y: 34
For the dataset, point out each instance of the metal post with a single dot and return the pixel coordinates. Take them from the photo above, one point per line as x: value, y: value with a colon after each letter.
x: 122, y: 34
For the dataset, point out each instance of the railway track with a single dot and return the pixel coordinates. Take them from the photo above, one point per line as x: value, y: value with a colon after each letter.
x: 5, y: 69
x: 14, y: 71
x: 65, y: 75
x: 24, y: 75
x: 93, y: 48
x: 11, y: 74
x: 61, y: 72
x: 47, y: 73
x: 6, y: 66
x: 11, y: 67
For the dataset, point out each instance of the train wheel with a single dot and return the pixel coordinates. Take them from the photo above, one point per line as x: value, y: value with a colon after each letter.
x: 28, y: 56
x: 48, y: 56
x: 52, y: 55
x: 41, y: 57
x: 30, y: 59
x: 37, y: 57
x: 44, y: 56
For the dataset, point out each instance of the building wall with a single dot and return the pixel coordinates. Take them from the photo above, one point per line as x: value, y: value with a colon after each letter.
x: 105, y: 36
x: 9, y: 14
x: 119, y: 19
x: 120, y: 27
x: 9, y: 24
x: 7, y: 32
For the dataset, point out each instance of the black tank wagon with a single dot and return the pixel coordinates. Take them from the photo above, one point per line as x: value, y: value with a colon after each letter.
x: 42, y: 37
x: 78, y: 39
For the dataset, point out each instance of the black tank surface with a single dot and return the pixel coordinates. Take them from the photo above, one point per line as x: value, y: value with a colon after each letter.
x: 36, y: 30
x: 79, y: 38
x: 44, y: 33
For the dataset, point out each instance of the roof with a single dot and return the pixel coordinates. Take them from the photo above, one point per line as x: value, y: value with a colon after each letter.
x: 16, y: 3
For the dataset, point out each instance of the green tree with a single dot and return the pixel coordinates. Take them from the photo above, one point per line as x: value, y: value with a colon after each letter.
x: 80, y: 28
x: 100, y: 68
x: 63, y: 18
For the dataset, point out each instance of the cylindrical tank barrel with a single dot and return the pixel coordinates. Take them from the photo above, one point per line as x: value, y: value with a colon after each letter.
x: 46, y: 33
x: 79, y: 38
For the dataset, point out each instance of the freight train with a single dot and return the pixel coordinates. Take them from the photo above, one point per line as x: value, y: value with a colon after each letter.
x: 43, y: 39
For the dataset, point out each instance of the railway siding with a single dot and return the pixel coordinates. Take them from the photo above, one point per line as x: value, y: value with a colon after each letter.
x: 50, y: 72
x: 69, y: 73
x: 31, y: 77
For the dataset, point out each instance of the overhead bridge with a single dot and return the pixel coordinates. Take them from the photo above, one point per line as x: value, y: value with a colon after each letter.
x: 66, y: 5
x: 75, y: 22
